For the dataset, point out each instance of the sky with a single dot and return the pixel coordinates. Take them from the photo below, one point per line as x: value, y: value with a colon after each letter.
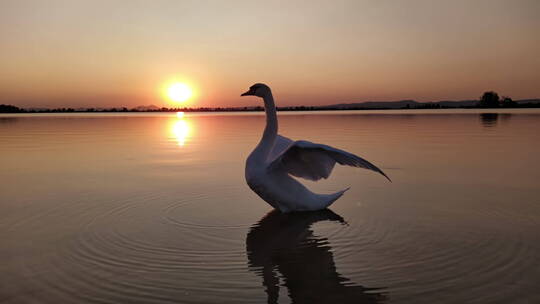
x: 122, y: 53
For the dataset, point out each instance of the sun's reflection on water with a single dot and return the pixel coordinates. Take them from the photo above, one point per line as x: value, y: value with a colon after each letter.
x: 180, y: 129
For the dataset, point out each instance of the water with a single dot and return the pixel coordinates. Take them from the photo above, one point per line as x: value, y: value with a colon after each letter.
x: 153, y: 208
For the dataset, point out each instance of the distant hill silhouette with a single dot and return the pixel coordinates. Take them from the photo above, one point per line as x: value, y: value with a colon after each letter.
x: 525, y: 101
x: 147, y: 108
x: 376, y: 104
x: 505, y: 102
x: 415, y: 104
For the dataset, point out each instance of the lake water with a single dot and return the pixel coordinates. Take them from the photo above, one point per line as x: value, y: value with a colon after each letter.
x: 153, y: 208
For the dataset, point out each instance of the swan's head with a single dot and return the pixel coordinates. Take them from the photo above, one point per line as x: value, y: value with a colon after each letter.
x: 258, y: 89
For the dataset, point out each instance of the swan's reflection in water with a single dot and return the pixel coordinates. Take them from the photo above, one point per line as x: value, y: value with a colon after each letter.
x: 283, y: 243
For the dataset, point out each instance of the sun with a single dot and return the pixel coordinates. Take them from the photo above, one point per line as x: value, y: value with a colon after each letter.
x: 179, y: 92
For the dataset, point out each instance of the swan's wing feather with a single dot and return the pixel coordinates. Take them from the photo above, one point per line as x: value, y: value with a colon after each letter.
x: 315, y: 161
x: 308, y: 163
x: 281, y: 144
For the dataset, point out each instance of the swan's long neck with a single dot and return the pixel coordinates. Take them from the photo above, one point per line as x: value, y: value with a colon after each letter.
x: 270, y: 131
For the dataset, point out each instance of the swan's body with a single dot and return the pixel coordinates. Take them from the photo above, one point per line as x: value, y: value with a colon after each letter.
x: 270, y: 166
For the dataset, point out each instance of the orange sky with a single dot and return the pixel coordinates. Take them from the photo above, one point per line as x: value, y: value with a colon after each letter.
x: 120, y: 53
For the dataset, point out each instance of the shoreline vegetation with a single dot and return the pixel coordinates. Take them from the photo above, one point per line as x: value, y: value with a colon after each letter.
x: 489, y: 100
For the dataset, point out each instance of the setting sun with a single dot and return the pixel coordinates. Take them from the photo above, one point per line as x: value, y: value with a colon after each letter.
x: 179, y: 92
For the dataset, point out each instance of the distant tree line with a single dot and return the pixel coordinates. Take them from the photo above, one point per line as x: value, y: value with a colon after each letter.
x: 10, y: 109
x: 14, y: 109
x: 491, y: 99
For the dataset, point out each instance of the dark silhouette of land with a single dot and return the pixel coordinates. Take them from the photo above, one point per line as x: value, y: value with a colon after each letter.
x: 10, y: 109
x: 489, y: 99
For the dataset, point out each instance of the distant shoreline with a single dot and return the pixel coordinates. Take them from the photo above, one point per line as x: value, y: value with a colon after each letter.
x: 217, y: 110
x: 362, y: 106
x: 250, y: 109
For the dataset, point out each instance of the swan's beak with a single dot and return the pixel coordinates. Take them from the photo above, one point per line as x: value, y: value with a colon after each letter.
x: 248, y: 93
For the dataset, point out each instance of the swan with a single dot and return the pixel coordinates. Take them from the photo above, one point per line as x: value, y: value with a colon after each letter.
x: 270, y: 165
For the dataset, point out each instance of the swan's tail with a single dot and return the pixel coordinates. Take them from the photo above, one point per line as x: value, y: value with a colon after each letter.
x: 330, y: 198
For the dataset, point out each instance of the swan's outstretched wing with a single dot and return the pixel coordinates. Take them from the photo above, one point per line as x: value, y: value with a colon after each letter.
x: 281, y: 145
x: 312, y: 161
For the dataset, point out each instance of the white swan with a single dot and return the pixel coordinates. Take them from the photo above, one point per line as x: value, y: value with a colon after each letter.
x: 270, y: 166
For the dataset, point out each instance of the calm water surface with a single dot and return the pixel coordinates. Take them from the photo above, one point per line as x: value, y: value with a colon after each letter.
x: 152, y: 208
